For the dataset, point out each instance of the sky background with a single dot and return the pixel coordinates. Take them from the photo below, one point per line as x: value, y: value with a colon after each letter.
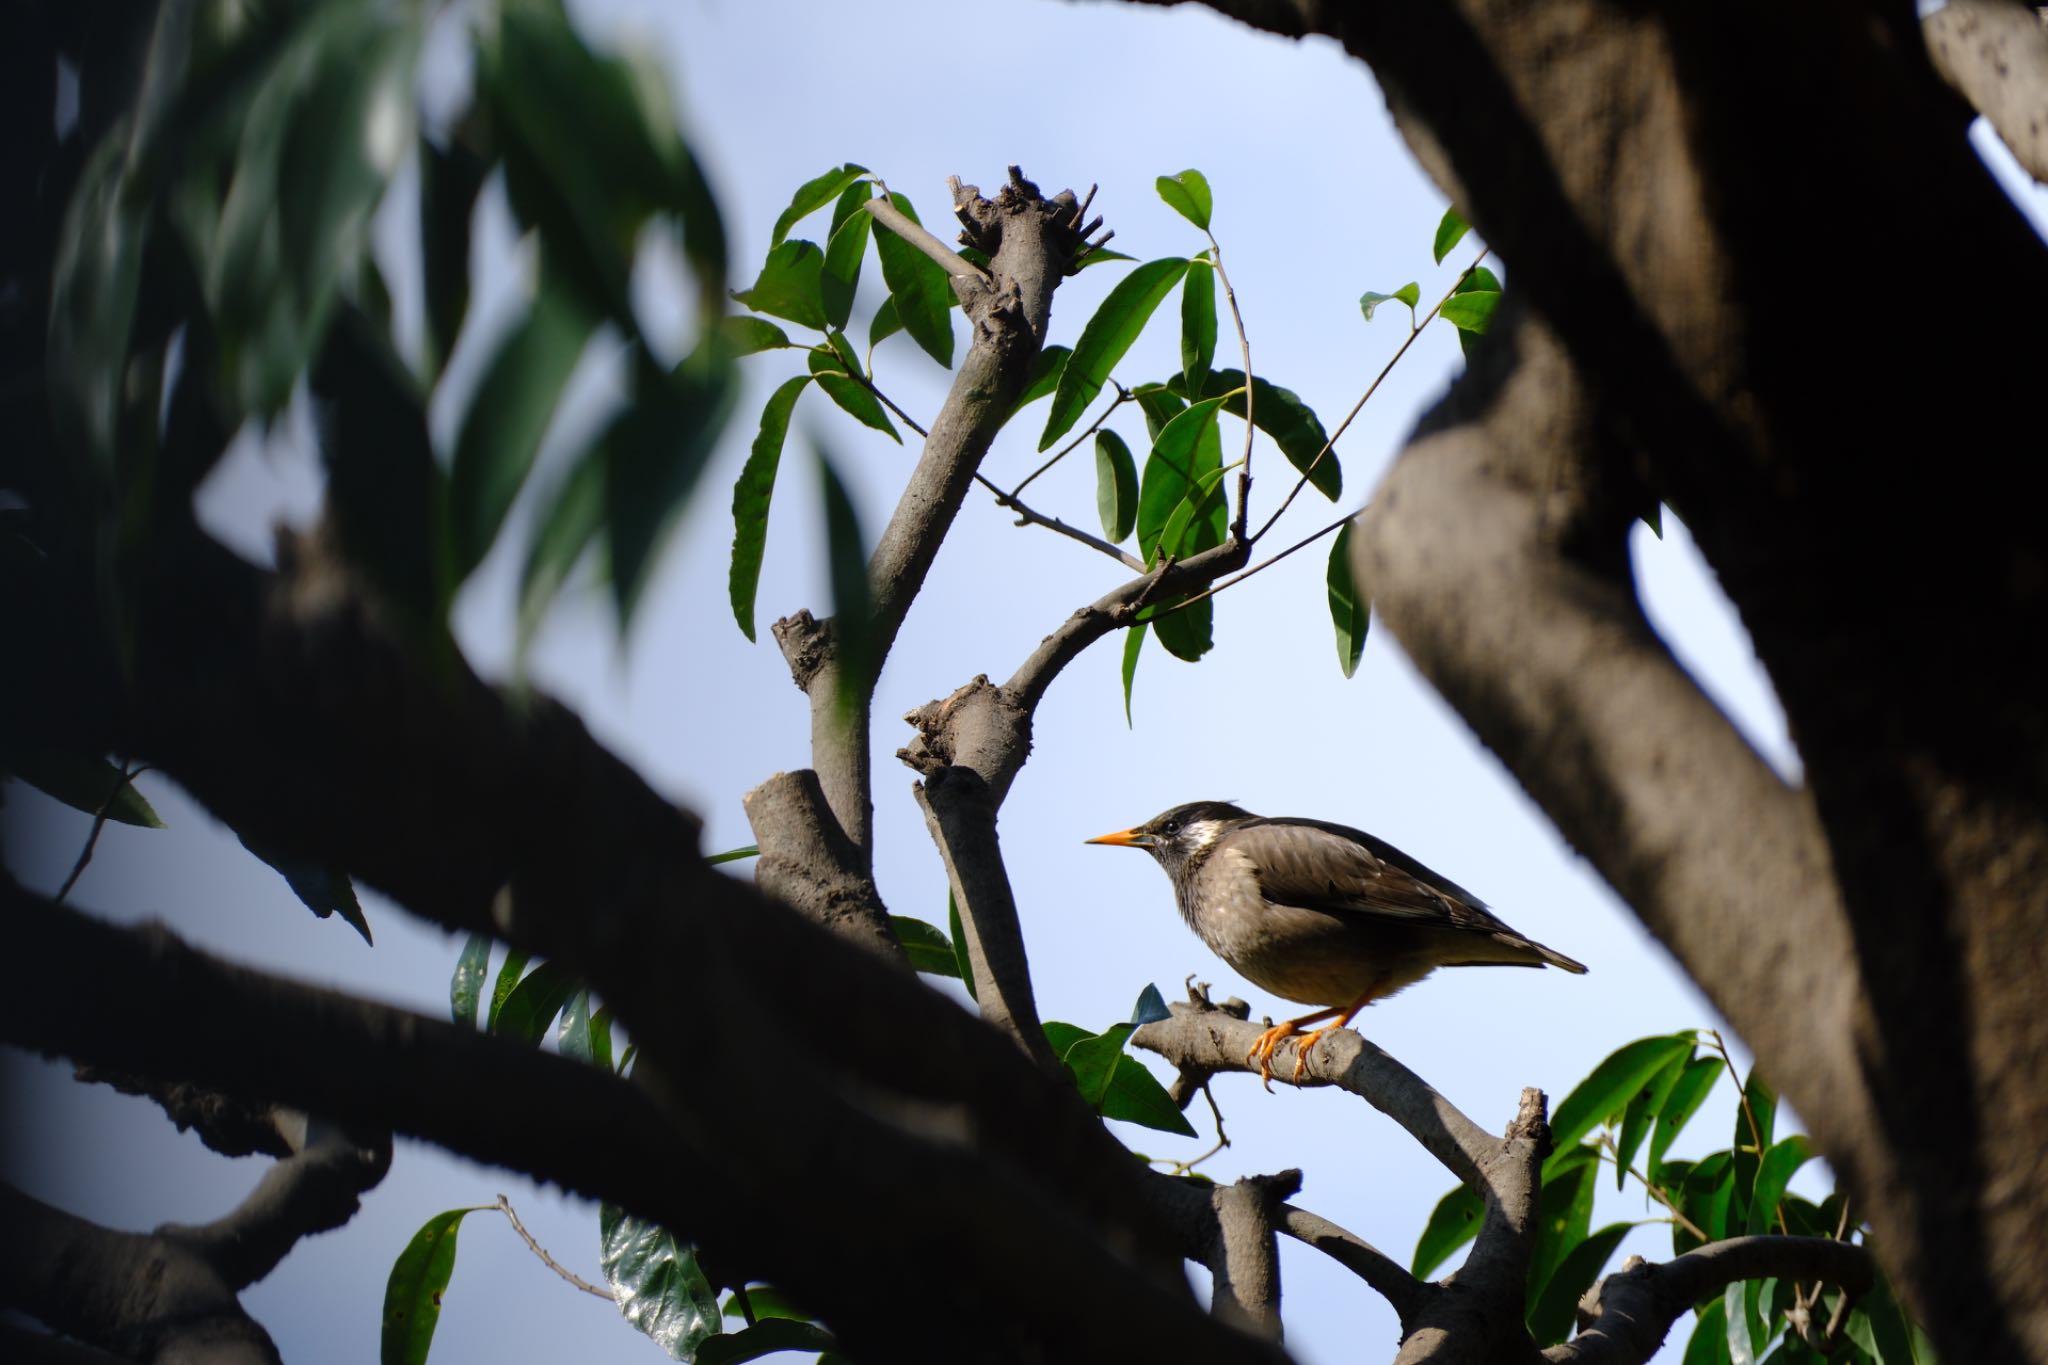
x: 1317, y: 201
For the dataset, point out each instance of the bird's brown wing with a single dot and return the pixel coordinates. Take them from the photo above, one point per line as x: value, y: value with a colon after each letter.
x: 1344, y: 871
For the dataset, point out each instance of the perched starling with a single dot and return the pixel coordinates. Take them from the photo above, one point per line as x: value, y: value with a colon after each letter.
x: 1320, y: 914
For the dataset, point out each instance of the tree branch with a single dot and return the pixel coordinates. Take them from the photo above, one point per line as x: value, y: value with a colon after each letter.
x: 1995, y: 54
x: 809, y: 864
x: 1401, y: 1290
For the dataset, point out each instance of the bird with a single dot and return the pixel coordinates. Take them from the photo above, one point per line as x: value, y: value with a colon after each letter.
x: 1320, y: 913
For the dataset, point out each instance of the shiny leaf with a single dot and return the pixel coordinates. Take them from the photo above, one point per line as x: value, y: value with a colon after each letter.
x: 573, y: 1039
x: 508, y: 979
x: 1105, y: 339
x: 83, y: 783
x: 751, y: 495
x: 655, y: 1279
x: 466, y: 984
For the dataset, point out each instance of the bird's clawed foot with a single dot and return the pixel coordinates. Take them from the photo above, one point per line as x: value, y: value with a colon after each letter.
x: 1261, y: 1054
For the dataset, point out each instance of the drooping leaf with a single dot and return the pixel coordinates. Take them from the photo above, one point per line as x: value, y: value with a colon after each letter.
x: 925, y: 945
x: 850, y: 394
x: 1679, y: 1106
x: 1045, y: 375
x: 1350, y: 609
x: 534, y: 1002
x: 1885, y: 1331
x: 1134, y: 1095
x: 1105, y: 339
x: 1409, y: 293
x: 846, y: 559
x: 1641, y: 1115
x: 1134, y: 642
x: 574, y: 516
x: 845, y: 249
x: 790, y: 285
x: 765, y: 1337
x: 1186, y: 448
x: 746, y: 336
x: 1092, y: 1061
x: 466, y: 984
x: 1454, y: 1222
x: 1779, y: 1165
x: 84, y: 783
x: 412, y: 1294
x: 1450, y: 230
x: 656, y: 1281
x: 1704, y: 1196
x: 322, y: 889
x: 1564, y: 1212
x: 884, y: 324
x: 501, y: 432
x: 1607, y: 1091
x: 653, y: 452
x: 1551, y: 1320
x: 1754, y: 1119
x: 1062, y: 1035
x: 751, y: 495
x: 450, y: 180
x: 509, y: 972
x: 1188, y: 195
x: 1291, y: 423
x: 1197, y: 325
x: 919, y: 288
x: 813, y: 195
x: 962, y: 963
x: 1709, y: 1344
x: 1116, y: 485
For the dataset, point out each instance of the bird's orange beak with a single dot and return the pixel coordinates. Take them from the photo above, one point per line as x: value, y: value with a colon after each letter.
x: 1123, y: 838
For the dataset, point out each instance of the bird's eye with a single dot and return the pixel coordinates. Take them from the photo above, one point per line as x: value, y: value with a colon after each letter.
x: 1170, y: 828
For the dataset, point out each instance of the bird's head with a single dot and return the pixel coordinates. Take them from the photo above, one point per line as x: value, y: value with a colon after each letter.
x: 1182, y: 835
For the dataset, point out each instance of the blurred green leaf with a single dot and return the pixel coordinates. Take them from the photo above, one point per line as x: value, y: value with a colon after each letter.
x: 925, y: 945
x: 1709, y: 1344
x: 845, y: 249
x: 1409, y: 293
x: 1197, y: 325
x: 1350, y: 609
x: 1116, y: 485
x: 653, y: 452
x: 1105, y: 339
x: 510, y: 412
x: 1564, y: 1212
x: 1454, y: 1222
x: 1605, y: 1093
x: 466, y: 984
x: 1880, y: 1326
x: 450, y: 180
x: 850, y: 394
x: 1188, y: 195
x: 657, y: 1282
x: 323, y: 890
x: 919, y: 288
x: 765, y: 1337
x: 84, y: 783
x: 1736, y: 1311
x: 813, y: 195
x: 508, y: 979
x: 533, y: 1004
x: 1556, y: 1308
x: 1450, y: 230
x: 751, y: 495
x: 846, y: 559
x: 412, y: 1294
x: 1754, y: 1120
x: 1690, y: 1091
x: 573, y: 517
x: 1477, y: 280
x: 1134, y: 642
x: 790, y: 285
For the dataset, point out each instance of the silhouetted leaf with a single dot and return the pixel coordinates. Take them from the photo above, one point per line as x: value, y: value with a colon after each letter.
x: 1105, y: 339
x: 574, y: 516
x: 653, y: 452
x: 83, y: 783
x: 750, y: 499
x: 534, y: 1003
x: 765, y: 1337
x: 846, y: 560
x: 450, y: 180
x: 466, y: 984
x: 323, y: 890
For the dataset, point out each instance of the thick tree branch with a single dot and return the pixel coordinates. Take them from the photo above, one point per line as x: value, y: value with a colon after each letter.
x: 809, y: 864
x: 1389, y: 1277
x: 1995, y: 54
x: 1626, y: 1316
x: 1246, y: 1260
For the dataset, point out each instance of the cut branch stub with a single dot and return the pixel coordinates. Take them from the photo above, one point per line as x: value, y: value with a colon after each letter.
x: 809, y: 864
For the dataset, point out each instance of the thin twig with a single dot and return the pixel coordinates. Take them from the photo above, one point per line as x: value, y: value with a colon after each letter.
x: 1222, y: 1138
x: 1654, y: 1191
x: 99, y: 822
x: 505, y: 1207
x: 1215, y: 588
x: 1244, y: 344
x: 1123, y: 396
x: 1026, y: 516
x: 874, y: 389
x: 1413, y: 332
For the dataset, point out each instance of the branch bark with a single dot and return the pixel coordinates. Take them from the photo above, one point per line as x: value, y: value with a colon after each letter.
x: 1995, y: 54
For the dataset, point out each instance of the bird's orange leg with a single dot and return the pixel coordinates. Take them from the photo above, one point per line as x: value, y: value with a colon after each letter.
x: 1262, y: 1048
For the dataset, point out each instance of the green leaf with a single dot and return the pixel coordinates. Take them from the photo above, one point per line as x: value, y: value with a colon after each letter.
x: 1160, y: 406
x: 653, y: 452
x: 1134, y: 1095
x: 1471, y: 312
x: 884, y: 324
x: 963, y: 964
x: 601, y: 1037
x: 1557, y: 1305
x: 1198, y: 522
x: 322, y: 889
x: 767, y: 1302
x: 1705, y: 1195
x: 1879, y: 1326
x: 1291, y: 423
x: 1773, y: 1174
x: 83, y: 783
x: 1709, y: 1344
x: 1063, y: 1035
x: 466, y: 984
x: 750, y: 498
x: 1092, y: 1061
x: 813, y: 195
x: 1606, y: 1092
x: 765, y: 1337
x: 1735, y: 1311
x: 845, y: 249
x: 1186, y: 448
x: 508, y: 978
x: 533, y: 1004
x: 746, y: 336
x: 1188, y: 195
x: 1679, y: 1106
x: 1116, y: 485
x: 574, y: 516
x: 1197, y: 325
x: 1654, y: 519
x: 501, y: 433
x: 790, y: 285
x: 1409, y: 293
x: 733, y: 855
x: 846, y: 559
x: 574, y: 1038
x: 1478, y: 280
x: 412, y: 1295
x: 657, y: 1282
x: 1105, y: 339
x: 1450, y: 230
x: 1134, y: 641
x: 1045, y: 375
x: 850, y: 394
x: 1749, y: 1144
x: 1641, y: 1115
x: 925, y: 945
x: 1564, y: 1212
x: 1350, y: 609
x: 1454, y: 1222
x: 919, y: 288
x: 450, y: 181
